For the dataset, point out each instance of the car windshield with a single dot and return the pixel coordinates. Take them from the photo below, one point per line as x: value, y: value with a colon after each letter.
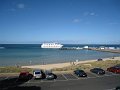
x: 81, y: 71
x: 49, y: 74
x: 98, y: 69
x: 117, y: 66
x: 23, y: 74
x: 37, y: 72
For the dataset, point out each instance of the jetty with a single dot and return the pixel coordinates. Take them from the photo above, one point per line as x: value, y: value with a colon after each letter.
x: 101, y: 48
x: 106, y: 50
x: 70, y: 48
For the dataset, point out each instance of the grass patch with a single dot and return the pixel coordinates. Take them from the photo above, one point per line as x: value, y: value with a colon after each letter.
x: 12, y: 69
x: 90, y: 65
x: 105, y: 64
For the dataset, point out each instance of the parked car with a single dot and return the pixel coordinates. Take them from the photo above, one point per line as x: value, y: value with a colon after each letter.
x: 50, y: 75
x: 114, y: 69
x: 98, y: 71
x: 25, y: 75
x: 99, y: 59
x: 80, y: 73
x: 117, y: 88
x: 38, y: 74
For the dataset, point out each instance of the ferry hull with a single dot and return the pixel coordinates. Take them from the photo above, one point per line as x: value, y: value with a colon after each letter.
x: 51, y: 47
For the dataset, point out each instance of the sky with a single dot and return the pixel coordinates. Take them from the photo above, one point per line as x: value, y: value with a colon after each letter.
x: 64, y: 21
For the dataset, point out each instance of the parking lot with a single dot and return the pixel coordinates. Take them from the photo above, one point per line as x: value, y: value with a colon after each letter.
x: 62, y: 79
x: 71, y: 76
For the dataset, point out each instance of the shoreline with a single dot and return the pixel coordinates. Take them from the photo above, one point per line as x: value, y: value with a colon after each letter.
x: 62, y: 65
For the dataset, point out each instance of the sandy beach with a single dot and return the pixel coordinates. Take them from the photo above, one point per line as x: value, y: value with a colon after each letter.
x: 61, y: 65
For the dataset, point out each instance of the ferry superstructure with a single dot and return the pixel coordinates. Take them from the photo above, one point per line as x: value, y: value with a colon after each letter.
x: 51, y: 45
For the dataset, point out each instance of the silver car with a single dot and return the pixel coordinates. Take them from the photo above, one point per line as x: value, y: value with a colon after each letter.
x: 38, y: 74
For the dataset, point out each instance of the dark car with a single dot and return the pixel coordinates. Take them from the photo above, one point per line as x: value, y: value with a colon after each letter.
x: 80, y: 73
x: 98, y: 71
x: 114, y: 69
x: 25, y: 76
x: 99, y: 59
x: 117, y: 88
x: 50, y: 75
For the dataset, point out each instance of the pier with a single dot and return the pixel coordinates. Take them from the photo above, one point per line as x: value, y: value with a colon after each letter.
x: 92, y: 48
x: 106, y: 50
x: 71, y: 48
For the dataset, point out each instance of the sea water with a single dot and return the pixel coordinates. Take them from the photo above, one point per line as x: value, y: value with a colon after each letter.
x: 31, y: 54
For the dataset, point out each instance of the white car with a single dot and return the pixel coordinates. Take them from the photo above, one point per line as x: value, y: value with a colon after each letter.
x: 38, y: 74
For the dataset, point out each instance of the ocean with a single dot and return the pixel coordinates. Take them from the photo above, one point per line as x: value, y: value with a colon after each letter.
x: 31, y: 54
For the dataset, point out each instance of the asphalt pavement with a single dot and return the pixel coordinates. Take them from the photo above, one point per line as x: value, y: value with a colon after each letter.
x: 64, y: 81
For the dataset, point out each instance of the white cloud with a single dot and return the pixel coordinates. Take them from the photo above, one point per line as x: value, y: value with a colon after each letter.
x: 77, y: 20
x: 92, y: 14
x: 16, y: 7
x: 113, y: 23
x: 89, y: 13
x: 21, y: 6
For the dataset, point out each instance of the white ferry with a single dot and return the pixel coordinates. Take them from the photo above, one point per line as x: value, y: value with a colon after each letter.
x: 51, y: 45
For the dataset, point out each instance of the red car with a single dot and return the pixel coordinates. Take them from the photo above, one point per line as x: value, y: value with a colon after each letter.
x: 25, y: 76
x: 114, y: 69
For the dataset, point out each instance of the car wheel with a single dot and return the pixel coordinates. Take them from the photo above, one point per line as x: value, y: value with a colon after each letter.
x: 98, y: 73
x: 117, y: 88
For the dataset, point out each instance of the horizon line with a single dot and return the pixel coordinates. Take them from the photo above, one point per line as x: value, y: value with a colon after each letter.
x: 68, y: 43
